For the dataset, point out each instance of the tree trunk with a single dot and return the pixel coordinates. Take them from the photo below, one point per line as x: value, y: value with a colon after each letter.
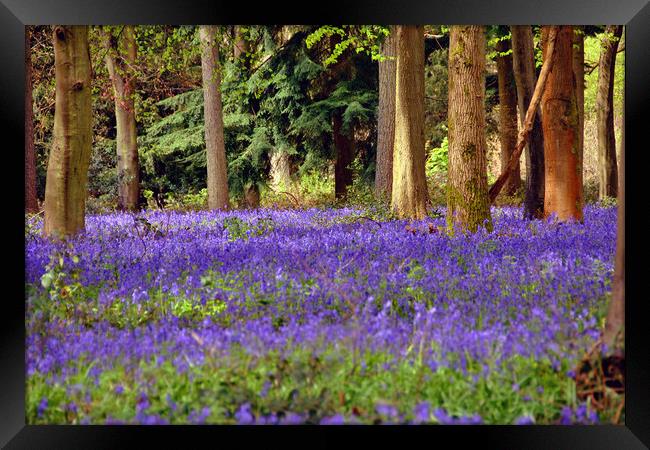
x: 342, y: 137
x: 280, y: 159
x: 386, y: 119
x: 67, y: 171
x: 507, y: 115
x: 31, y: 199
x: 523, y: 59
x: 409, y: 192
x: 241, y: 56
x: 241, y: 44
x: 614, y: 334
x: 213, y: 113
x: 280, y: 168
x: 607, y: 169
x: 468, y: 205
x: 120, y: 61
x: 579, y: 75
x: 531, y: 114
x: 563, y: 190
x: 252, y: 196
x: 344, y: 144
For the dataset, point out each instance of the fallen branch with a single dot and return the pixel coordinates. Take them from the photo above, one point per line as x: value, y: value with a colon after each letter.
x: 530, y: 117
x: 293, y: 197
x: 619, y: 410
x: 34, y: 215
x: 370, y: 219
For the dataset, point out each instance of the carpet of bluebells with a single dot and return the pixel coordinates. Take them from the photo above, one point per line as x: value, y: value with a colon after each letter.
x: 322, y: 316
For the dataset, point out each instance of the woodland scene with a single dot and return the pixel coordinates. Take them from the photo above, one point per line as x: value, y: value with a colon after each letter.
x: 330, y: 224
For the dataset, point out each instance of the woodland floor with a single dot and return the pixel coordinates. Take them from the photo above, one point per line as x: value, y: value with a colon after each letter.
x: 317, y: 316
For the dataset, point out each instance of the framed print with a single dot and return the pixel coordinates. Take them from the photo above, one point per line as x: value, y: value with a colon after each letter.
x: 406, y: 213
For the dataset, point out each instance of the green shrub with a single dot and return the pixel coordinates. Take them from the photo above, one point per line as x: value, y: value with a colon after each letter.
x: 436, y: 167
x: 608, y: 202
x: 590, y: 190
x: 102, y: 204
x: 438, y: 159
x: 240, y: 229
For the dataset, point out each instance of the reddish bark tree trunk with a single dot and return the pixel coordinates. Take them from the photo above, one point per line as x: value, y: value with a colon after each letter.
x: 531, y: 114
x: 563, y: 189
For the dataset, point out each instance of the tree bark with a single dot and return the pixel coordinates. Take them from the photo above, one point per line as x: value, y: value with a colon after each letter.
x: 31, y: 199
x: 252, y: 196
x: 343, y: 139
x: 468, y: 206
x: 67, y: 171
x: 280, y: 159
x: 563, y: 190
x: 280, y: 168
x: 213, y: 113
x: 241, y: 44
x: 579, y: 75
x: 523, y: 59
x: 241, y: 56
x: 614, y: 334
x: 386, y: 118
x: 507, y: 115
x: 531, y: 114
x: 344, y: 144
x: 607, y: 169
x: 120, y: 61
x: 409, y: 191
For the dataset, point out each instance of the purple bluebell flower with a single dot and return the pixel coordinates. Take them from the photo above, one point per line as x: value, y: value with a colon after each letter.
x: 171, y: 402
x: 142, y: 402
x: 292, y: 418
x: 265, y: 389
x: 344, y: 289
x: 422, y: 412
x: 199, y: 417
x: 386, y: 410
x: 566, y: 416
x: 42, y: 406
x: 71, y: 407
x: 442, y: 416
x: 244, y: 415
x: 524, y: 420
x: 336, y: 419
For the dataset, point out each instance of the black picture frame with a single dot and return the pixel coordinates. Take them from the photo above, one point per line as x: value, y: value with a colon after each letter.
x: 635, y: 14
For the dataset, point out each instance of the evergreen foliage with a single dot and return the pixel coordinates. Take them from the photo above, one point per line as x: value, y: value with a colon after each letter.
x: 279, y: 105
